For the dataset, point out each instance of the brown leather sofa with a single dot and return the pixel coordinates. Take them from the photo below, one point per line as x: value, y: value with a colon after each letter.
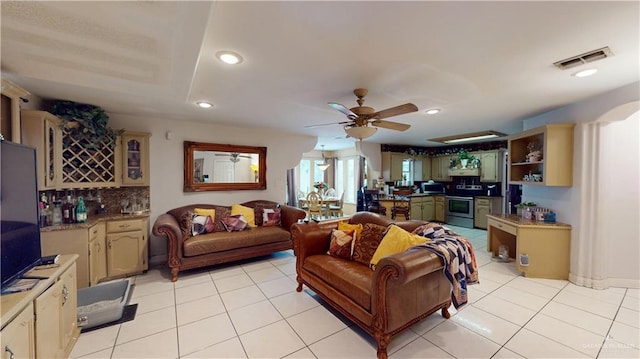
x: 404, y: 288
x: 188, y: 252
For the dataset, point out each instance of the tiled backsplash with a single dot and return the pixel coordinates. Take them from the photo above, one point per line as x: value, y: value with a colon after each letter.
x: 112, y: 198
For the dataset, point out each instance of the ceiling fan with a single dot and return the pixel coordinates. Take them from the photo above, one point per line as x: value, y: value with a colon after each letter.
x: 361, y: 116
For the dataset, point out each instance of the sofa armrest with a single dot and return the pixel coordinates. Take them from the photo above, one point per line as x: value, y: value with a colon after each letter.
x: 167, y: 225
x: 290, y: 216
x: 407, y: 266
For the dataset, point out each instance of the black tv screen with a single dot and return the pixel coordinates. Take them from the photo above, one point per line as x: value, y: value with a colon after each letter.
x: 20, y: 234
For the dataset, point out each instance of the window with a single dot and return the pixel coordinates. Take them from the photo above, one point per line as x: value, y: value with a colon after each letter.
x: 307, y: 174
x: 346, y: 178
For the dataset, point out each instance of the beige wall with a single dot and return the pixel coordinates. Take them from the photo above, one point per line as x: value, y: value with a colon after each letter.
x: 284, y: 151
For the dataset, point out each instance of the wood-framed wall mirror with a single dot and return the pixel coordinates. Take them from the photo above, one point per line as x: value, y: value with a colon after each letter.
x: 218, y: 167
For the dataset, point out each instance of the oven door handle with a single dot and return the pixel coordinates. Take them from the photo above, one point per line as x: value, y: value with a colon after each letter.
x: 460, y: 198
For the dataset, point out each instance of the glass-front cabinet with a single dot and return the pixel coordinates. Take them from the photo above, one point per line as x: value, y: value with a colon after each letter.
x: 135, y: 151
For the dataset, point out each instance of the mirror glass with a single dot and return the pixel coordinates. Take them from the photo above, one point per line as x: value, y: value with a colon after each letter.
x: 218, y: 167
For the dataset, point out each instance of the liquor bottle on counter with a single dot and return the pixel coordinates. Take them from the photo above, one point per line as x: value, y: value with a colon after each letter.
x: 67, y: 208
x: 81, y: 211
x: 57, y: 213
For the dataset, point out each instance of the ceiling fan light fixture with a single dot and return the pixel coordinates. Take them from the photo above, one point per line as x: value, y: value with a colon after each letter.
x: 204, y: 104
x: 474, y: 136
x: 360, y: 132
x: 229, y: 57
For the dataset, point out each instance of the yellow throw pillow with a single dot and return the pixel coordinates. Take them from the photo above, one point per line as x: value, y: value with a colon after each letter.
x: 247, y: 212
x: 395, y: 241
x: 344, y: 226
x: 205, y: 212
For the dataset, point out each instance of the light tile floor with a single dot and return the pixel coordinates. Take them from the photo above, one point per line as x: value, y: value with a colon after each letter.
x: 250, y: 309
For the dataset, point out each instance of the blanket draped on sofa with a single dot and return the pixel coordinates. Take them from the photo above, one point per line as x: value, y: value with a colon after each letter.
x: 460, y: 266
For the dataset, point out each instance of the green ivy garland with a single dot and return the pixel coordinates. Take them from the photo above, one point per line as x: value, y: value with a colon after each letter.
x: 85, y: 122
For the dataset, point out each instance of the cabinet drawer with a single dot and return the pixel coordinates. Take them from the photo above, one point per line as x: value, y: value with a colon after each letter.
x: 93, y: 233
x: 124, y: 226
x: 483, y: 201
x: 503, y: 226
x: 439, y: 199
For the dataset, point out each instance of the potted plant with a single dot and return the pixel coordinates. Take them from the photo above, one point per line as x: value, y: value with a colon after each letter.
x: 524, y: 207
x: 86, y: 123
x: 464, y: 157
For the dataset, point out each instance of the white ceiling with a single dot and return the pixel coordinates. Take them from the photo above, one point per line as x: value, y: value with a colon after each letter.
x: 488, y: 65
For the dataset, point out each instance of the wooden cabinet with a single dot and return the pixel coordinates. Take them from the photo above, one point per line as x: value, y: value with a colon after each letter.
x: 18, y: 337
x: 426, y: 168
x: 440, y: 168
x: 392, y: 166
x: 440, y: 214
x: 41, y: 130
x: 491, y: 164
x: 135, y: 158
x: 541, y: 250
x: 42, y: 322
x: 422, y: 208
x: 127, y: 249
x: 555, y: 166
x: 69, y: 241
x: 66, y: 161
x: 483, y: 207
x: 97, y: 253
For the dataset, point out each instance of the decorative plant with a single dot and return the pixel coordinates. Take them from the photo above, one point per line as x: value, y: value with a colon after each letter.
x: 319, y: 185
x: 85, y: 122
x: 526, y: 204
x: 464, y: 155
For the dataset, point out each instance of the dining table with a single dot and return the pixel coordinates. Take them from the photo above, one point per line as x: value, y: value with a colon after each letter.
x: 325, y: 202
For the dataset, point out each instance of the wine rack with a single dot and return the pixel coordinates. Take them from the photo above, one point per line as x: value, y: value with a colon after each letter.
x: 86, y: 165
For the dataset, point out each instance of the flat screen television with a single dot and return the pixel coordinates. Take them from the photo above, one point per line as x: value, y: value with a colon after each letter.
x: 19, y: 230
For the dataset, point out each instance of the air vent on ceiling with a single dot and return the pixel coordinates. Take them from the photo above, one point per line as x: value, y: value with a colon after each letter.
x: 587, y: 57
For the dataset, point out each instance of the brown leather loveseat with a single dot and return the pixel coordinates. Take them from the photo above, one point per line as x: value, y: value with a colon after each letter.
x: 403, y: 289
x: 187, y: 252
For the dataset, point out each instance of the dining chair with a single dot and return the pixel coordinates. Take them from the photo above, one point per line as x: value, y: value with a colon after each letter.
x: 314, y: 205
x: 302, y: 202
x: 401, y: 204
x: 336, y: 209
x: 330, y: 192
x: 372, y: 203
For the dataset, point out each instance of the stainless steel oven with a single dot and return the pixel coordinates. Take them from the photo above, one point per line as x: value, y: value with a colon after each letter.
x: 459, y: 211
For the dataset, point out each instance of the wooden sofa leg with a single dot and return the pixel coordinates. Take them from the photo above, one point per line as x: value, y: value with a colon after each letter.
x: 299, y: 288
x: 383, y: 342
x: 174, y: 274
x: 445, y: 313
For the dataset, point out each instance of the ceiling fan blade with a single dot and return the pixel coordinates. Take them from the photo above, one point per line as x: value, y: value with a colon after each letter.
x: 391, y: 125
x: 343, y: 109
x: 327, y: 124
x: 395, y: 111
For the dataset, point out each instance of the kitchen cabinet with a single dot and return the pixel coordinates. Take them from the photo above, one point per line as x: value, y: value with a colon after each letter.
x: 392, y: 166
x: 426, y: 168
x: 422, y: 208
x: 135, y: 161
x: 127, y: 249
x: 68, y: 162
x: 42, y: 322
x: 483, y: 207
x: 69, y: 241
x: 440, y: 214
x: 56, y: 317
x: 41, y: 130
x: 18, y: 337
x: 491, y: 164
x: 97, y: 253
x: 555, y: 166
x: 440, y: 168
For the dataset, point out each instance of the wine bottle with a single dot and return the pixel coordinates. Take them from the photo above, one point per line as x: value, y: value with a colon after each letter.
x: 81, y: 211
x: 66, y: 210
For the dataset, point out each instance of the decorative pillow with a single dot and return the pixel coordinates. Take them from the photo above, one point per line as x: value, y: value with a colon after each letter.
x: 271, y: 217
x: 341, y: 245
x: 186, y: 223
x: 205, y: 212
x: 258, y: 212
x: 221, y: 212
x: 432, y: 230
x: 395, y: 241
x: 366, y: 245
x: 235, y: 223
x: 201, y: 225
x: 344, y: 226
x: 246, y: 212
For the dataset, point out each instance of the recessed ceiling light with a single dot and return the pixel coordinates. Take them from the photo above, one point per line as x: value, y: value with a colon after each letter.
x: 204, y: 104
x: 432, y: 111
x: 229, y: 57
x: 585, y: 73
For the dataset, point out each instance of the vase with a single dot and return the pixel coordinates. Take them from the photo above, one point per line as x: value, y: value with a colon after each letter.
x: 464, y: 162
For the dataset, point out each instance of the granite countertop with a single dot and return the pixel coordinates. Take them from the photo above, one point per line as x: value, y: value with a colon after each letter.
x: 93, y: 219
x: 518, y: 220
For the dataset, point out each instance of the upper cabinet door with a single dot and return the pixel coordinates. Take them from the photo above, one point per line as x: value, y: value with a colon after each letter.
x: 41, y: 130
x: 135, y: 162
